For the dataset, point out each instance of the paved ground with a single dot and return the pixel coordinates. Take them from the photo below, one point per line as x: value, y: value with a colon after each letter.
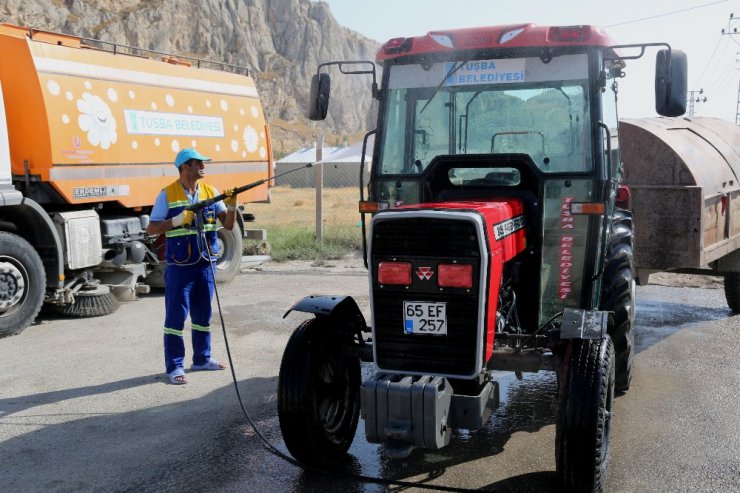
x: 84, y: 405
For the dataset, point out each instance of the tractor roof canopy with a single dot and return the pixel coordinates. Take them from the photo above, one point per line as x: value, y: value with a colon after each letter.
x: 510, y: 36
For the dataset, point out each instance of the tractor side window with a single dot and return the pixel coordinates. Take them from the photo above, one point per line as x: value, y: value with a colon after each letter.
x: 414, y: 140
x: 564, y: 242
x: 609, y: 118
x: 392, y: 151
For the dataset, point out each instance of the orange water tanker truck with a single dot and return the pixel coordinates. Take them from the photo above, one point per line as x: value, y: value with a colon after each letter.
x: 88, y: 135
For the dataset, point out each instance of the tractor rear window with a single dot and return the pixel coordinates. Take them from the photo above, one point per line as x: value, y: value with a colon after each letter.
x: 488, y: 106
x: 506, y: 177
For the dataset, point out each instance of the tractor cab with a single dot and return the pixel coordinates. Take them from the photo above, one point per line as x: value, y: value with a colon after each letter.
x: 545, y: 92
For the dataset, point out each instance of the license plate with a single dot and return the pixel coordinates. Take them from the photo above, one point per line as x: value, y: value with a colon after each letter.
x: 422, y: 317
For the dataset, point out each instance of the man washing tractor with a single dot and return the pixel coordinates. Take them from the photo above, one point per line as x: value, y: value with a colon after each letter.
x: 189, y: 279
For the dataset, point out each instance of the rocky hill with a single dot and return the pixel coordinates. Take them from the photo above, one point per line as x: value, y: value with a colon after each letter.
x: 282, y: 41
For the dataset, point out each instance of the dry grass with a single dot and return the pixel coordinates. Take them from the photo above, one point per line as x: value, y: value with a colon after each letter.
x: 297, y: 207
x: 290, y: 221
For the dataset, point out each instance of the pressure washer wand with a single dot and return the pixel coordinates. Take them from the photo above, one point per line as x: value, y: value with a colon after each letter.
x: 205, y: 203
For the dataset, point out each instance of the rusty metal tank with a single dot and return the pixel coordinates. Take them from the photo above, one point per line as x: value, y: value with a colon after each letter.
x: 683, y: 178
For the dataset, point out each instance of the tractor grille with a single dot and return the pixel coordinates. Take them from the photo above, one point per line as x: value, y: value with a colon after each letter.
x: 425, y: 237
x: 426, y: 242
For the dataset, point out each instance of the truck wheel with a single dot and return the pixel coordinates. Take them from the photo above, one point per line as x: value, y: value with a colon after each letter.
x: 584, y: 414
x: 229, y: 253
x: 22, y: 284
x: 732, y: 290
x: 318, y: 394
x: 618, y: 296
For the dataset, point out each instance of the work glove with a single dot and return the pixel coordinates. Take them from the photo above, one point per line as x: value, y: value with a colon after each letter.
x: 230, y: 200
x: 185, y: 218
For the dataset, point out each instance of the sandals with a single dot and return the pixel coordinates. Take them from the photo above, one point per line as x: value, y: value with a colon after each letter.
x: 210, y: 365
x: 177, y: 376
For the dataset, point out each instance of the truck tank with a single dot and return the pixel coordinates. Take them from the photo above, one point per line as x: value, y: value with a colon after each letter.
x: 101, y: 126
x: 682, y: 174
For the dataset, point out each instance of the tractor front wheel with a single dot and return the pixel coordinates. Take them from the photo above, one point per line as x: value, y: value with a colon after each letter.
x: 318, y: 393
x: 585, y: 398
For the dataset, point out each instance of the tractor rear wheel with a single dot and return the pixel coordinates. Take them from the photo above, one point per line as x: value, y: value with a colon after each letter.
x: 585, y: 398
x: 318, y: 393
x: 618, y: 295
x: 732, y: 290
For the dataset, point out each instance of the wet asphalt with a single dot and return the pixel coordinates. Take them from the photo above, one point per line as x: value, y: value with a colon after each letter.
x: 84, y: 406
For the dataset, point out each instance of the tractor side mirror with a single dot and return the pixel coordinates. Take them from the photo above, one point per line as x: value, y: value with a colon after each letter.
x: 318, y: 104
x: 670, y: 82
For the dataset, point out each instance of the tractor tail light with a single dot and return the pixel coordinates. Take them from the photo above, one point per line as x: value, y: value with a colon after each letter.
x: 398, y: 45
x: 367, y: 207
x: 397, y: 273
x: 455, y: 275
x: 570, y: 33
x: 589, y: 208
x: 624, y: 197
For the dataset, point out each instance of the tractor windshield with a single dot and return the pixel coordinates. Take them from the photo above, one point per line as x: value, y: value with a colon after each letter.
x: 514, y: 105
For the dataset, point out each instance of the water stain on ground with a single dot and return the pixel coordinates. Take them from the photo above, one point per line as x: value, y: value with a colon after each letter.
x: 662, y: 311
x: 526, y: 405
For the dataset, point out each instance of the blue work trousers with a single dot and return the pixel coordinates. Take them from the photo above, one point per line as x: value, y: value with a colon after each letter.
x: 187, y: 289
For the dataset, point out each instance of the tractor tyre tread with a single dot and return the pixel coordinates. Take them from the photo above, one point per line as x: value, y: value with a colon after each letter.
x: 303, y: 429
x: 617, y: 296
x: 583, y: 419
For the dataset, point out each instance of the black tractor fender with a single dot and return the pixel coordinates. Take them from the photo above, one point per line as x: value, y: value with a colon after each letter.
x: 341, y: 309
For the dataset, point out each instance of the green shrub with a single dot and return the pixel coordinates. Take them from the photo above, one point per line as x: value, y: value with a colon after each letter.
x: 296, y: 243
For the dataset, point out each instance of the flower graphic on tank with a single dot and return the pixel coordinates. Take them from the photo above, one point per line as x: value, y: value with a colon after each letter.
x: 250, y: 138
x: 97, y: 120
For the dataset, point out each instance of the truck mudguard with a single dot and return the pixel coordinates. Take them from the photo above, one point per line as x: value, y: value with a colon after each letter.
x: 42, y: 232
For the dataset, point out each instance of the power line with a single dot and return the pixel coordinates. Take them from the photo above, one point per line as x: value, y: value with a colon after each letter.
x: 665, y: 14
x: 722, y: 55
x: 726, y: 82
x: 704, y: 70
x: 720, y: 80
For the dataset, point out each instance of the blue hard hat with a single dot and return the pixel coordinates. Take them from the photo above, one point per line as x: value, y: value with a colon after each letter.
x: 187, y: 154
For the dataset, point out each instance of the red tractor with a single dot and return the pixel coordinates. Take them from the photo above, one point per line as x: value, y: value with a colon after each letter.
x: 497, y: 242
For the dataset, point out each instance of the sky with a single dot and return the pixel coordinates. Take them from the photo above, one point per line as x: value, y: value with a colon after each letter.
x: 693, y: 26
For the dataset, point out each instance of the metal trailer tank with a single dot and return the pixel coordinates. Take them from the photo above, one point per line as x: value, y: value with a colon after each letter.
x: 682, y: 174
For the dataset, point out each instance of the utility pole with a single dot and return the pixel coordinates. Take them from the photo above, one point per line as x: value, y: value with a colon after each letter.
x: 737, y: 108
x: 319, y: 170
x: 731, y: 31
x: 695, y: 100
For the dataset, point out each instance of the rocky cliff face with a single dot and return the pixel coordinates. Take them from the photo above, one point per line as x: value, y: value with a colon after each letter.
x: 282, y: 41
